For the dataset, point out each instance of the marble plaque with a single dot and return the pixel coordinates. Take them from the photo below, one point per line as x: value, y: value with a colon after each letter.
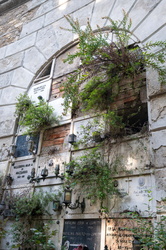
x: 117, y: 235
x: 20, y: 171
x: 40, y: 90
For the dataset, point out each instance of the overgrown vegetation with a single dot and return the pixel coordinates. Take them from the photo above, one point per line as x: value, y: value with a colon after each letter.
x: 2, y: 229
x: 94, y: 176
x: 108, y: 59
x: 151, y: 236
x: 34, y: 116
x: 29, y: 231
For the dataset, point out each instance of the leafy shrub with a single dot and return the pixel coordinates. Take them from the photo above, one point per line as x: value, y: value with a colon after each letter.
x: 28, y: 230
x: 35, y: 116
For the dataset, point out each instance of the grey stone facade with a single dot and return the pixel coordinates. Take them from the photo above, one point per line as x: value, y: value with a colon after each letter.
x: 31, y: 37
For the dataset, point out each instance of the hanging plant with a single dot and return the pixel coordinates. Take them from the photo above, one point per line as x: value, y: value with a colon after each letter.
x: 97, y: 84
x: 34, y: 116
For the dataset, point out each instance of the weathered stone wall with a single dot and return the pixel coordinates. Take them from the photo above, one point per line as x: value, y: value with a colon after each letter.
x: 31, y: 36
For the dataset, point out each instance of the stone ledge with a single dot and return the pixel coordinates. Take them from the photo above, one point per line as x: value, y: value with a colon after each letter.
x: 6, y: 5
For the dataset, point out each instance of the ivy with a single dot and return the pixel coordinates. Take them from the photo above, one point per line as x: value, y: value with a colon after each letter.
x: 34, y: 116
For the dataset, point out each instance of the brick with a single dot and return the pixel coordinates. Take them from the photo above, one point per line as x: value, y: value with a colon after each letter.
x: 58, y: 141
x: 57, y: 135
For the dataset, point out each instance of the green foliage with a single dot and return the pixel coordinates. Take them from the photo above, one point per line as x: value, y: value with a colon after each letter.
x: 28, y: 230
x: 93, y: 176
x: 151, y: 236
x: 42, y: 237
x: 36, y: 238
x: 29, y: 205
x: 96, y: 84
x: 35, y: 116
x: 2, y: 229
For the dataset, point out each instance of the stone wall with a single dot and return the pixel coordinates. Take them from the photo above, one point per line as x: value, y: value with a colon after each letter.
x: 31, y: 36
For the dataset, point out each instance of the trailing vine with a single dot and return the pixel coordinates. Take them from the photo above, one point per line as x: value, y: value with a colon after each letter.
x: 34, y: 116
x: 98, y: 83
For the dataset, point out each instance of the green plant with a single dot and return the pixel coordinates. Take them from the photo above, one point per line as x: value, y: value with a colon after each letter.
x: 35, y: 237
x: 93, y: 176
x: 42, y: 237
x: 35, y: 116
x: 2, y: 229
x: 151, y: 235
x: 98, y: 83
x: 29, y: 205
x: 28, y: 230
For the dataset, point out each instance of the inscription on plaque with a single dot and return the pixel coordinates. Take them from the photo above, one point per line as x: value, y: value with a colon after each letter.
x: 42, y: 90
x: 118, y: 235
x: 21, y: 170
x: 86, y: 232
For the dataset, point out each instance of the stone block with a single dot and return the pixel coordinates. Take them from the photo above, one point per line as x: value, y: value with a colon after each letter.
x: 65, y: 8
x: 4, y: 146
x: 117, y: 10
x: 21, y: 78
x: 33, y: 59
x: 7, y: 120
x: 3, y: 168
x: 158, y: 139
x: 153, y: 85
x: 101, y: 9
x: 157, y: 112
x: 158, y: 145
x: 63, y: 37
x: 83, y: 14
x: 46, y: 7
x: 140, y: 10
x: 53, y: 16
x: 34, y: 4
x: 157, y: 36
x: 152, y: 22
x: 11, y: 62
x: 2, y: 52
x: 62, y: 68
x: 32, y: 26
x: 72, y: 7
x: 57, y: 104
x: 160, y: 176
x: 5, y: 79
x: 21, y: 44
x: 47, y: 41
x: 9, y: 95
